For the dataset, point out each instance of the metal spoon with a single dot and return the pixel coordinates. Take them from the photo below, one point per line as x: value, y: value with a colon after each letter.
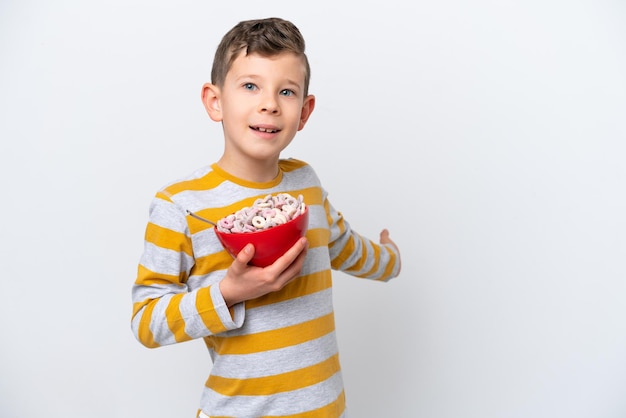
x: 200, y: 217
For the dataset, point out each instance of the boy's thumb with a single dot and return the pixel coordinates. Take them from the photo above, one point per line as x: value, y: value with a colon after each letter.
x: 246, y: 254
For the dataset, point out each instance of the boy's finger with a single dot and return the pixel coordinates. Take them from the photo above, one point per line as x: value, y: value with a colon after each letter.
x: 245, y: 255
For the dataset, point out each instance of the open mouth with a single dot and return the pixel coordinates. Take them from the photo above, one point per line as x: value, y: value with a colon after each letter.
x: 266, y: 130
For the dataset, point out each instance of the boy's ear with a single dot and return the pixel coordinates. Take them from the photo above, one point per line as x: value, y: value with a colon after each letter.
x: 211, y: 101
x: 307, y: 109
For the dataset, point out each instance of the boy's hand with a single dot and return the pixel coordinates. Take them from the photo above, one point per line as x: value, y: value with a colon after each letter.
x: 243, y: 282
x: 384, y: 239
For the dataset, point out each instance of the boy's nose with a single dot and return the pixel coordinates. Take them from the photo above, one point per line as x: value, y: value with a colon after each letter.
x: 269, y: 105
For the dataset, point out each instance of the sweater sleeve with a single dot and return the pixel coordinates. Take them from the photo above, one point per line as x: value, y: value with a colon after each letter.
x: 357, y: 255
x: 165, y: 310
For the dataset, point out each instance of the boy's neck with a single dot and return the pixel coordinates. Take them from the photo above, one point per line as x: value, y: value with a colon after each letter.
x: 253, y: 171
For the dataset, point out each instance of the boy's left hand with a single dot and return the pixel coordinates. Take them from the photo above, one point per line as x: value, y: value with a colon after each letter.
x: 384, y: 239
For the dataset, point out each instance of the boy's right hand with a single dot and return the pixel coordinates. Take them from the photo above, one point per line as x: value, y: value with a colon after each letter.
x: 243, y: 282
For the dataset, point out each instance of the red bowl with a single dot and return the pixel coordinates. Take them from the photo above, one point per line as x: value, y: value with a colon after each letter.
x: 269, y: 244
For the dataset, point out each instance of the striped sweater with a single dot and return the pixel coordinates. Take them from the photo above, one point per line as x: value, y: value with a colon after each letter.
x: 274, y: 356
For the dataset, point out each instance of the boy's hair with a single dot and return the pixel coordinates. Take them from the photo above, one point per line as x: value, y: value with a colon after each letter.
x: 266, y: 37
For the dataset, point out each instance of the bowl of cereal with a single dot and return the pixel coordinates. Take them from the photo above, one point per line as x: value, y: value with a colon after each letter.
x: 272, y: 224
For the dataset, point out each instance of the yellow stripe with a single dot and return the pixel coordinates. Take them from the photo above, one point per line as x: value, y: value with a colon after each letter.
x: 376, y: 258
x: 206, y: 310
x: 283, y: 382
x: 209, y: 181
x: 362, y: 260
x: 213, y: 179
x: 144, y: 334
x: 175, y: 320
x: 147, y: 277
x: 210, y: 263
x: 318, y: 237
x: 290, y: 164
x: 390, y: 265
x: 137, y: 306
x: 334, y: 409
x: 168, y: 239
x: 196, y: 225
x: 302, y: 286
x: 311, y: 195
x: 275, y: 339
x: 163, y: 196
x: 340, y: 223
x: 345, y: 253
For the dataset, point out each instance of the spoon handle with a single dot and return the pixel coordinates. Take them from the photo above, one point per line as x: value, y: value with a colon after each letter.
x: 200, y: 218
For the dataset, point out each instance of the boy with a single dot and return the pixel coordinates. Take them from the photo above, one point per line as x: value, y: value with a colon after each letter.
x: 270, y: 331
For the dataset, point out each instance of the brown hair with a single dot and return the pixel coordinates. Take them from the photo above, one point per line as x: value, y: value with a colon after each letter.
x: 267, y: 37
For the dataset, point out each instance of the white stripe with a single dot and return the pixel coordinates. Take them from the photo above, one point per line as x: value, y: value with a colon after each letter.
x: 284, y: 314
x: 160, y: 330
x: 165, y: 261
x: 287, y: 403
x: 167, y: 215
x: 205, y: 243
x: 284, y: 360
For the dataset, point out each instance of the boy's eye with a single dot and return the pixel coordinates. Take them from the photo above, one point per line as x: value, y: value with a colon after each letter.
x: 287, y: 92
x: 249, y: 86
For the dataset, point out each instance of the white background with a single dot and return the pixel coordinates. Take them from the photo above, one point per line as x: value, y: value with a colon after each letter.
x: 488, y: 136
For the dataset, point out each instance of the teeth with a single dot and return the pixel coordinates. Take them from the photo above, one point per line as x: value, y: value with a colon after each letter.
x: 267, y: 130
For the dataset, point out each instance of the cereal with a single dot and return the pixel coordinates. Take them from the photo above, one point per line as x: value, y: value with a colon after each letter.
x: 264, y: 213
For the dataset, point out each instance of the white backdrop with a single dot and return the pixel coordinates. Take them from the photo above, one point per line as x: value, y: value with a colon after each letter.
x: 489, y: 137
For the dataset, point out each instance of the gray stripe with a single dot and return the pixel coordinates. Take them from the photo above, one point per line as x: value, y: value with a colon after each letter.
x: 267, y: 363
x: 287, y: 403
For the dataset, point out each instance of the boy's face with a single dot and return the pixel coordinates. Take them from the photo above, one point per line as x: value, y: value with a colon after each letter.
x: 261, y: 106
